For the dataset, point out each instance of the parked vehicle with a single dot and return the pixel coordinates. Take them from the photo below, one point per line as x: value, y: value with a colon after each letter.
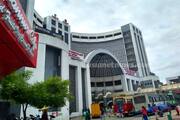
x: 95, y: 110
x: 128, y: 109
x: 163, y: 107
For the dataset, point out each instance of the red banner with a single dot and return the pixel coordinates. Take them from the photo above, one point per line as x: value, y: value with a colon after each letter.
x: 18, y: 42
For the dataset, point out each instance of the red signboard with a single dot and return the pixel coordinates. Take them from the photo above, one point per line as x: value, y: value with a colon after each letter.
x: 76, y: 55
x: 18, y: 42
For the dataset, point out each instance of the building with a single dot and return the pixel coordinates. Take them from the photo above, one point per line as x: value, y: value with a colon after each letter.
x: 173, y: 80
x: 97, y: 63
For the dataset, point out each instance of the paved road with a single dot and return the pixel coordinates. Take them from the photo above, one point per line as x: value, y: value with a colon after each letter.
x: 175, y: 117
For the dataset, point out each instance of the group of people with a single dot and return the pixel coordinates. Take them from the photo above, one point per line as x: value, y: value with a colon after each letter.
x: 157, y: 112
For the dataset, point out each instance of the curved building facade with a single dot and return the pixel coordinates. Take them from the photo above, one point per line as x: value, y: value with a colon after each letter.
x: 94, y: 63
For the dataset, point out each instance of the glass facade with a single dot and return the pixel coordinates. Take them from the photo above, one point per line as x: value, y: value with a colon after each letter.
x: 52, y: 62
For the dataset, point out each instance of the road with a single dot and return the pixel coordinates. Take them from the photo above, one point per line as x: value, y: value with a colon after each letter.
x: 174, y: 116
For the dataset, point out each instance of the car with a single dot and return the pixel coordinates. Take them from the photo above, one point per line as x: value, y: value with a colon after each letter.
x: 163, y: 107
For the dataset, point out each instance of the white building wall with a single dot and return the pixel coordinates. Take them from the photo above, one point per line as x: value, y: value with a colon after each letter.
x: 137, y: 56
x: 29, y: 13
x: 38, y: 73
x: 88, y: 87
x: 79, y: 97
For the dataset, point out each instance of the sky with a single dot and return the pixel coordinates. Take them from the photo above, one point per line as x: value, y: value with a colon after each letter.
x: 159, y: 21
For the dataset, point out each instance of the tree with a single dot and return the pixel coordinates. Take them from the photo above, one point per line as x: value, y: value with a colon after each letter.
x: 16, y: 88
x: 53, y: 92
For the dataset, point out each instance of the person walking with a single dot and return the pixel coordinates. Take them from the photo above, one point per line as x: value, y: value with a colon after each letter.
x: 144, y: 113
x: 178, y: 109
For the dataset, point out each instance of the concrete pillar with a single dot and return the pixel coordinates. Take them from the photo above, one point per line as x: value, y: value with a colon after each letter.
x: 65, y: 76
x: 124, y: 84
x: 88, y: 87
x: 153, y: 83
x: 131, y: 85
x: 79, y: 90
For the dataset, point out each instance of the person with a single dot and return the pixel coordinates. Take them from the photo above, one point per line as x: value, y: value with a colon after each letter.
x: 155, y: 110
x: 121, y: 112
x: 144, y: 113
x: 177, y: 109
x: 102, y: 113
x: 86, y: 114
x: 44, y: 115
x: 160, y: 112
x: 115, y: 108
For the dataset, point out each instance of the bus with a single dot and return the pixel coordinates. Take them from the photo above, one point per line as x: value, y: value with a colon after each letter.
x: 146, y: 99
x: 124, y: 103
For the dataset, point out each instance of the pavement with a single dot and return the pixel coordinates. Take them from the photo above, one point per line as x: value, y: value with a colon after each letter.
x: 139, y: 117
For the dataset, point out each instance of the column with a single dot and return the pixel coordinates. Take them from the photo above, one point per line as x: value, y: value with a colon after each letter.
x: 65, y: 76
x: 124, y: 83
x: 131, y: 85
x: 79, y: 90
x: 88, y: 87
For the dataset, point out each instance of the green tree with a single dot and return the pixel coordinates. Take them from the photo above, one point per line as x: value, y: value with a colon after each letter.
x: 53, y: 92
x: 16, y: 88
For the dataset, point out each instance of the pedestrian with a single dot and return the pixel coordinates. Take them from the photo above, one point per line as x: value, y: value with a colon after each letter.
x: 44, y: 115
x: 155, y: 110
x: 178, y: 109
x: 102, y: 113
x: 144, y: 113
x: 87, y: 114
x: 160, y: 112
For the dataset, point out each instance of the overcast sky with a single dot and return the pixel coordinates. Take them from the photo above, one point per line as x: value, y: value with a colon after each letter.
x: 159, y: 21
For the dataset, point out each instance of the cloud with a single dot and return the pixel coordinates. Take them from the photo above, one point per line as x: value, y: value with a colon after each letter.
x: 157, y: 19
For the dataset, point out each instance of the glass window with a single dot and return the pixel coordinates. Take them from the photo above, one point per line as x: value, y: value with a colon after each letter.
x: 84, y: 37
x: 92, y: 37
x: 100, y: 37
x: 60, y: 32
x: 67, y: 38
x: 92, y: 84
x: 66, y: 28
x: 53, y: 22
x: 74, y: 36
x: 109, y: 83
x: 108, y: 35
x: 117, y: 34
x: 139, y: 99
x: 118, y: 82
x: 59, y: 25
x: 53, y: 29
x: 100, y: 84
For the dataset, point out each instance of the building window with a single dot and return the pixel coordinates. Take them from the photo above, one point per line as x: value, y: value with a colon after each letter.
x: 100, y: 84
x: 59, y: 25
x: 66, y: 28
x: 92, y: 37
x: 92, y: 84
x: 84, y: 37
x: 67, y: 38
x: 118, y: 82
x: 117, y: 34
x: 53, y: 29
x: 60, y: 32
x: 108, y: 36
x: 74, y: 36
x: 109, y: 83
x: 99, y: 37
x: 53, y: 22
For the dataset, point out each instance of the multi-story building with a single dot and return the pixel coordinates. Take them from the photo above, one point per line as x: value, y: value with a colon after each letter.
x: 111, y: 62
